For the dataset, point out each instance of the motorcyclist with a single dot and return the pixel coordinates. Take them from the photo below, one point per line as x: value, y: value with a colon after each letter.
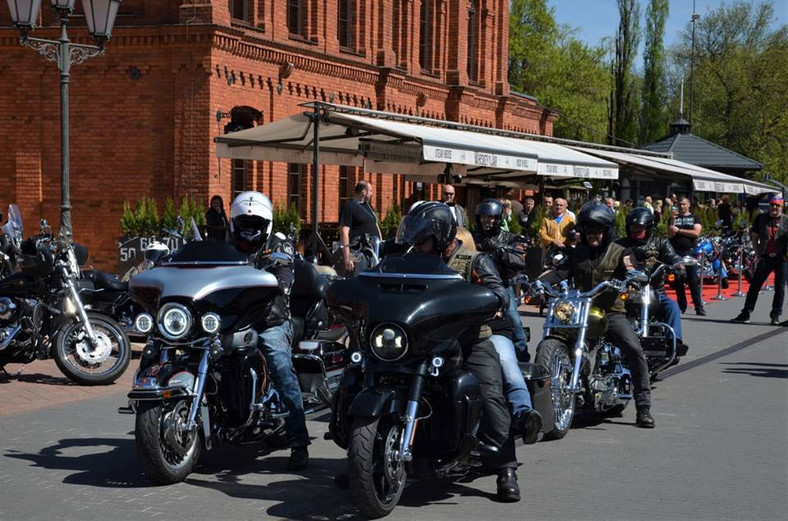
x: 251, y: 220
x: 431, y: 229
x: 507, y: 251
x: 648, y: 250
x: 597, y: 258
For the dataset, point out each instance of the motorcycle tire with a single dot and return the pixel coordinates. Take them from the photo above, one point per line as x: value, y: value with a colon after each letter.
x: 376, y: 480
x: 161, y: 462
x: 553, y: 355
x: 83, y: 363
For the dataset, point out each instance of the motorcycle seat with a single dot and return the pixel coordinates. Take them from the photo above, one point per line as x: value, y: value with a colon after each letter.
x: 309, y: 284
x: 103, y: 280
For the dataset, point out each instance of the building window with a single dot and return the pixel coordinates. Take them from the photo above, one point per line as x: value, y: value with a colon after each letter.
x: 238, y: 176
x: 239, y: 9
x: 346, y: 30
x: 296, y: 16
x: 295, y: 173
x: 346, y: 178
x: 399, y: 29
x: 425, y: 40
x: 473, y: 40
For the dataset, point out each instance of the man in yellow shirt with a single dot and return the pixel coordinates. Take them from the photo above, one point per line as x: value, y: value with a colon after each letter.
x: 555, y: 228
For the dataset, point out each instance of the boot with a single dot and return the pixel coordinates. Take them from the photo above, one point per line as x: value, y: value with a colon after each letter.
x: 508, y: 489
x: 644, y: 419
x: 528, y: 424
x: 299, y: 459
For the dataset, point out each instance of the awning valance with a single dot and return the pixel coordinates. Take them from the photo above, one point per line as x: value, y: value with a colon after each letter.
x: 417, y: 147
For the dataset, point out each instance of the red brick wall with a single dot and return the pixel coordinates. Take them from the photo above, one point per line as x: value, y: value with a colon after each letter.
x: 143, y: 116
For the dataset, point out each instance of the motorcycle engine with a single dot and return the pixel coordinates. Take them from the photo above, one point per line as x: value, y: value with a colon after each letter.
x: 610, y: 381
x: 8, y: 309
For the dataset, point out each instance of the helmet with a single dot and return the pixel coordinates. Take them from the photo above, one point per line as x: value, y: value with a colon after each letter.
x: 251, y: 220
x: 642, y: 217
x: 432, y: 219
x: 777, y: 199
x: 594, y: 214
x: 491, y: 207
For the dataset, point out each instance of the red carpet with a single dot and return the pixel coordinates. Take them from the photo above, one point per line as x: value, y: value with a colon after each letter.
x: 710, y: 290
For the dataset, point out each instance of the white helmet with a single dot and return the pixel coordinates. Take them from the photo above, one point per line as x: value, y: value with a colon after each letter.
x: 251, y: 219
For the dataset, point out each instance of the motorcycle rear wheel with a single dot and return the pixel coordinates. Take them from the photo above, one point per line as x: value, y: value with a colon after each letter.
x: 162, y: 462
x: 92, y: 365
x: 553, y: 355
x: 376, y: 478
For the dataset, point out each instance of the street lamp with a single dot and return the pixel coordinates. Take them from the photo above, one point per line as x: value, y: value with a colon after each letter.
x: 100, y: 16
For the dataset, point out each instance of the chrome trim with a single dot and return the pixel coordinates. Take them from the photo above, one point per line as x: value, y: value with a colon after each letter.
x: 416, y: 276
x: 160, y: 320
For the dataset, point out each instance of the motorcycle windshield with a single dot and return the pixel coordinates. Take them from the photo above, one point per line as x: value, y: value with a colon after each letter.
x: 208, y: 253
x: 14, y: 228
x: 418, y: 292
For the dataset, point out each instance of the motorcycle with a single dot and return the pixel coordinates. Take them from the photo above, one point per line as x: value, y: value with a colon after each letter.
x: 202, y: 379
x: 737, y: 253
x: 42, y: 314
x: 405, y: 407
x: 708, y: 252
x: 586, y: 369
x: 10, y: 241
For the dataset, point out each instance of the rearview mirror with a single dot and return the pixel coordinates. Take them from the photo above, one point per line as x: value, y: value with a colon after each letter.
x: 637, y: 276
x: 689, y: 261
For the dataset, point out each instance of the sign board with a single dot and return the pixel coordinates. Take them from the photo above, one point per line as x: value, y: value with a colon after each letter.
x: 131, y: 250
x: 478, y: 158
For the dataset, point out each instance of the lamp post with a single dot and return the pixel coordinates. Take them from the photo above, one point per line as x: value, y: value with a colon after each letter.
x: 100, y: 16
x: 693, y: 19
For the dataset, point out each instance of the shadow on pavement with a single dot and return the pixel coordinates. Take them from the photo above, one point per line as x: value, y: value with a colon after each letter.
x: 36, y: 378
x: 757, y: 369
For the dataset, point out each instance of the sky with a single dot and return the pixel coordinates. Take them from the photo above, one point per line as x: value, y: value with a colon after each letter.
x: 595, y: 19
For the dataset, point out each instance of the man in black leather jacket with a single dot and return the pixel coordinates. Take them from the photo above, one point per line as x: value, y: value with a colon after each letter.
x: 251, y: 217
x: 431, y: 229
x: 647, y: 251
x: 597, y: 258
x: 508, y: 252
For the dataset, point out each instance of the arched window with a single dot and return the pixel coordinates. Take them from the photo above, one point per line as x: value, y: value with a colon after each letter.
x: 426, y: 34
x: 473, y: 40
x: 346, y: 24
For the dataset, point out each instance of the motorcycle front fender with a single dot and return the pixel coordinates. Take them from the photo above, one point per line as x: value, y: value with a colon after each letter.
x: 378, y: 401
x: 162, y: 381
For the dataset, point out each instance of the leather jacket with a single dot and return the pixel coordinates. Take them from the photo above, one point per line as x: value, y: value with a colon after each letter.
x: 277, y: 311
x: 647, y: 253
x: 499, y: 247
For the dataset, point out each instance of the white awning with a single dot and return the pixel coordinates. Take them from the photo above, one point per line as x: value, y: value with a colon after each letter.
x: 703, y: 179
x: 421, y: 149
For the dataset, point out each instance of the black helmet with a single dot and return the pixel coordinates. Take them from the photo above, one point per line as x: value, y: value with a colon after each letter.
x: 642, y: 217
x: 594, y: 214
x: 491, y: 207
x: 432, y: 219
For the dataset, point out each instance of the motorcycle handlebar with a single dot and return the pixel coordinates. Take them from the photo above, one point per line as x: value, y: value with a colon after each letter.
x: 620, y: 286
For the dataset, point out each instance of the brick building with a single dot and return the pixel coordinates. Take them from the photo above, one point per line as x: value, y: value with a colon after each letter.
x: 178, y: 73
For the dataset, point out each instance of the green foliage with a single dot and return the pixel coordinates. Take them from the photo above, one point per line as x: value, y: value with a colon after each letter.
x: 128, y: 223
x: 624, y: 111
x: 287, y: 221
x: 514, y: 225
x: 388, y: 226
x: 146, y: 217
x: 533, y: 226
x: 168, y: 217
x: 662, y: 225
x: 621, y: 221
x: 654, y: 93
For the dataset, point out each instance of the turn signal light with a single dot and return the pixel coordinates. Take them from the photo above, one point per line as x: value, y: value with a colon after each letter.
x: 671, y: 277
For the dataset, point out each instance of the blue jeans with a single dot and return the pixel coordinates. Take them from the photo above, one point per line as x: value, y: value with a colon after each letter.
x: 275, y: 342
x: 513, y: 382
x: 670, y: 314
x: 519, y: 340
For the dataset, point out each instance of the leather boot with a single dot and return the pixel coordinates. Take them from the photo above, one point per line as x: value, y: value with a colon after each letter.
x: 528, y: 425
x: 299, y: 459
x: 644, y: 418
x: 508, y: 489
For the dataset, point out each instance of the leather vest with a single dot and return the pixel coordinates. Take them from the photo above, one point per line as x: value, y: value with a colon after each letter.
x: 462, y: 261
x: 588, y: 273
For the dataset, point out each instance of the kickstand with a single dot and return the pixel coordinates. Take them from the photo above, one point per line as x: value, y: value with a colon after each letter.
x: 2, y: 368
x: 19, y: 373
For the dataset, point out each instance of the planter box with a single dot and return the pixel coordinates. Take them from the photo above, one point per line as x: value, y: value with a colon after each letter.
x: 131, y: 250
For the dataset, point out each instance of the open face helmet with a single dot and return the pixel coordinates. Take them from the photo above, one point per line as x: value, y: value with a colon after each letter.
x: 643, y: 217
x: 594, y: 216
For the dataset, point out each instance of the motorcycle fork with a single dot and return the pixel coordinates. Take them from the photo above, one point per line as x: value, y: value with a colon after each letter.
x: 574, y: 384
x: 199, y: 387
x: 412, y: 409
x: 83, y: 315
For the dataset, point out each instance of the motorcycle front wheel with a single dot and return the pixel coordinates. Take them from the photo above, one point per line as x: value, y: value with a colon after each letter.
x: 166, y: 449
x: 376, y: 476
x: 89, y: 364
x: 553, y: 355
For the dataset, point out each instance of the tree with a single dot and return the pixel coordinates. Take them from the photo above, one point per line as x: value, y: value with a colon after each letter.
x: 624, y: 109
x: 653, y: 113
x: 741, y: 82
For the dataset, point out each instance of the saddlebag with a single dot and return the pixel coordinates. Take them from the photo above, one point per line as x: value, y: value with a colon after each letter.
x: 539, y: 384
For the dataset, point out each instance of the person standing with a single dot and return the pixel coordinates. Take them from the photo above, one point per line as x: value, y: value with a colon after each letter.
x: 724, y: 213
x: 769, y: 236
x: 450, y: 199
x: 357, y: 219
x: 555, y: 227
x: 683, y: 233
x: 216, y: 221
x: 527, y: 216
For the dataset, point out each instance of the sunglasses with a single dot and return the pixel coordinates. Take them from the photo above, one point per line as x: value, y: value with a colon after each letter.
x: 448, y: 193
x: 775, y: 205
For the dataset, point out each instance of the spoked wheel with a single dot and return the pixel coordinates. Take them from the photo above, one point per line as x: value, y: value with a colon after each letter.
x: 93, y: 364
x: 166, y: 448
x: 553, y: 355
x: 377, y: 476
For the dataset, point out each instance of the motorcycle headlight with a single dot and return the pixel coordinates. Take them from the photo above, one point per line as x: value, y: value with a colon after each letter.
x: 143, y: 323
x: 175, y: 321
x: 564, y: 311
x: 388, y: 342
x: 210, y: 323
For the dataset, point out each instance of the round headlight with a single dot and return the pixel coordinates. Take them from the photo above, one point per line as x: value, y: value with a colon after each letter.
x: 143, y: 323
x: 564, y: 311
x: 388, y: 342
x: 211, y: 322
x: 175, y: 321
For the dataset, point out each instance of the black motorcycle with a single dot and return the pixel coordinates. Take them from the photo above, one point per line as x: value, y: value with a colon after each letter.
x: 405, y: 406
x: 202, y: 379
x: 42, y: 315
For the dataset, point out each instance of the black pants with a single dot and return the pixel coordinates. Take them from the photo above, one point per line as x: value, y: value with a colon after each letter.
x: 765, y: 266
x: 481, y: 360
x: 693, y: 280
x: 620, y: 332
